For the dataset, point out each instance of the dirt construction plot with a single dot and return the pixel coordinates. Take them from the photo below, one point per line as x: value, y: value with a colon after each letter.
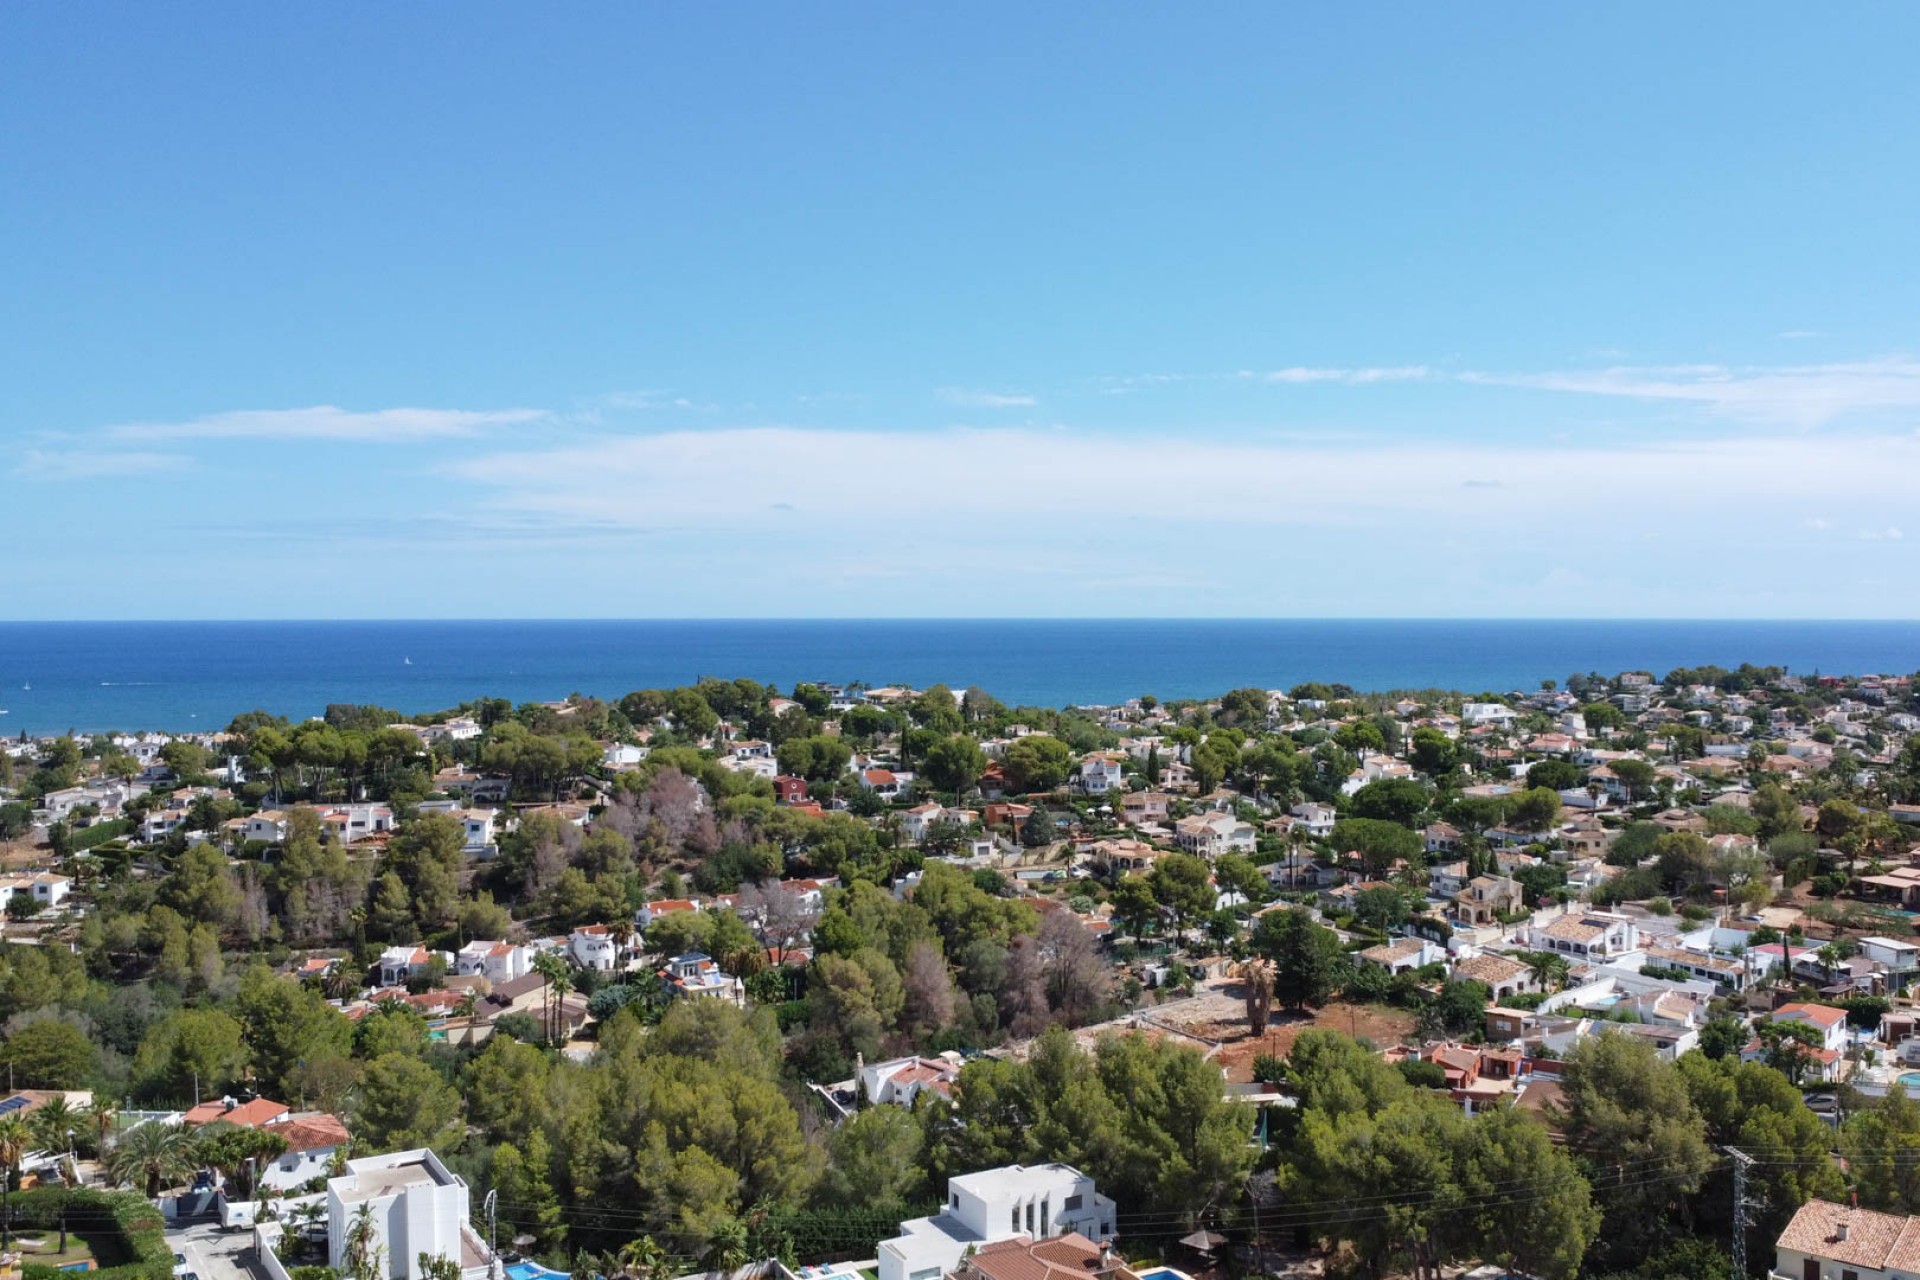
x: 1217, y: 1017
x: 1380, y: 1025
x: 1214, y: 1020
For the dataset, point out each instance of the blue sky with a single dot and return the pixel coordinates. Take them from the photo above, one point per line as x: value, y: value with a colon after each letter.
x: 784, y: 310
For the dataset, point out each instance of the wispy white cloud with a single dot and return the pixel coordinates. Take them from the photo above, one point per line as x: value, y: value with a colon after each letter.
x: 1889, y: 534
x: 1351, y: 377
x: 648, y: 400
x: 719, y: 480
x: 1792, y: 395
x: 327, y: 422
x: 968, y: 399
x: 94, y: 464
x: 1817, y: 522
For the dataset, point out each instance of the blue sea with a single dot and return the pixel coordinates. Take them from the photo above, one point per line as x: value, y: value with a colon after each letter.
x: 92, y: 676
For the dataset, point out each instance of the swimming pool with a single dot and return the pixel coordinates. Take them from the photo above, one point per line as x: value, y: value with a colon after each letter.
x: 534, y: 1271
x: 1911, y: 1079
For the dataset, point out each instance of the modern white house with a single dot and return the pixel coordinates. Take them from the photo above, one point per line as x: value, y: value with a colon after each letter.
x: 413, y: 1205
x: 1900, y: 959
x: 997, y: 1204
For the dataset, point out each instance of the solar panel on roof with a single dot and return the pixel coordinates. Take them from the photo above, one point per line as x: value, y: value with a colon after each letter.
x: 13, y: 1104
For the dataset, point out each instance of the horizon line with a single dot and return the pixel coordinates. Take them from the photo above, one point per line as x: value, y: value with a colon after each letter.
x: 998, y: 619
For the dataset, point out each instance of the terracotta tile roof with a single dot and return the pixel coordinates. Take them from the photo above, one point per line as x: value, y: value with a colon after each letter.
x: 1575, y: 929
x: 1058, y: 1258
x: 1877, y: 1241
x: 1492, y: 970
x: 312, y: 1132
x: 1819, y: 1015
x: 1390, y: 952
x: 248, y: 1115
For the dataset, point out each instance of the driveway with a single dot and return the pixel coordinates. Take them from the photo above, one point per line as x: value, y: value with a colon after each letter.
x: 213, y: 1254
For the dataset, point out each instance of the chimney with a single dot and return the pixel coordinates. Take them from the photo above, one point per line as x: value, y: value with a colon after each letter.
x: 1840, y: 1232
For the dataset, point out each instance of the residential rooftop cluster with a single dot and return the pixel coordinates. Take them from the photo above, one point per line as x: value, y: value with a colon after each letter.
x: 924, y: 947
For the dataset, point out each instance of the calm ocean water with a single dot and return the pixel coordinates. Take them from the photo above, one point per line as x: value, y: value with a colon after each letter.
x: 198, y: 675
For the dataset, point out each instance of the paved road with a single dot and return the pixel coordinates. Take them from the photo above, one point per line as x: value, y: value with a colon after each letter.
x: 213, y: 1254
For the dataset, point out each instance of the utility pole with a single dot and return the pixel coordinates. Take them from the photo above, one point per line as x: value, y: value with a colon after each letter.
x: 1740, y: 1206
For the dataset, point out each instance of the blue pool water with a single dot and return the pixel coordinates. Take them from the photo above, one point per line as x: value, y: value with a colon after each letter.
x: 534, y: 1271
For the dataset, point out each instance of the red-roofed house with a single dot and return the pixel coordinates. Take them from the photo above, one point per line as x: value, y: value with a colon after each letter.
x: 1827, y: 1241
x: 311, y: 1141
x: 248, y: 1115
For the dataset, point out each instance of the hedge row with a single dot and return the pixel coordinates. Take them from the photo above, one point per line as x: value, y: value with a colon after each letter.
x: 117, y: 1224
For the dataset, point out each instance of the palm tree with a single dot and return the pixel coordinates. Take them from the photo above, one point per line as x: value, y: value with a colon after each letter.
x: 727, y: 1249
x: 16, y: 1139
x: 642, y: 1259
x: 621, y: 931
x: 362, y: 1253
x: 1829, y: 958
x: 341, y: 984
x: 102, y: 1112
x: 557, y: 987
x: 151, y: 1155
x: 1548, y: 969
x: 1257, y: 974
x: 552, y: 968
x: 53, y: 1124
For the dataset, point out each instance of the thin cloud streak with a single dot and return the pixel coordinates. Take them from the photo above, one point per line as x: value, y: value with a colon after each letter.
x: 1792, y: 395
x: 94, y: 464
x: 721, y: 479
x: 986, y: 399
x: 1300, y: 374
x: 328, y: 422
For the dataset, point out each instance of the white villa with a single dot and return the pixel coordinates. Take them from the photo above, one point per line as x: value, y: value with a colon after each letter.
x: 997, y: 1204
x: 416, y: 1206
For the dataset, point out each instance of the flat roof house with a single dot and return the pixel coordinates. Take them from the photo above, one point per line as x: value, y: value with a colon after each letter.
x: 414, y: 1205
x: 997, y: 1204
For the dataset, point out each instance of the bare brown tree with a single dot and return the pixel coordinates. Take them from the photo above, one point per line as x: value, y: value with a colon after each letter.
x: 930, y: 995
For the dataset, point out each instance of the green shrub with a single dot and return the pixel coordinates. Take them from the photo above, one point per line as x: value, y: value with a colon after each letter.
x: 126, y: 1233
x: 1422, y: 1074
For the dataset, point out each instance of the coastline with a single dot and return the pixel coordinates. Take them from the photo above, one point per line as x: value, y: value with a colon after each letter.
x: 188, y: 676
